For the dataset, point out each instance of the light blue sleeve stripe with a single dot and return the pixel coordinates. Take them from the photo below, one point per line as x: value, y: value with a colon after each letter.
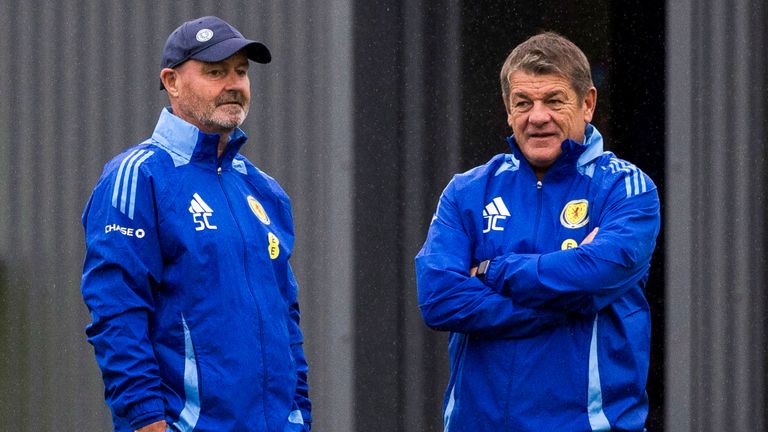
x: 120, y: 173
x: 636, y: 179
x: 191, y: 412
x: 126, y: 176
x: 135, y: 180
x: 628, y: 185
x: 642, y: 182
x: 449, y: 410
x: 597, y: 418
x: 295, y: 417
x: 239, y: 166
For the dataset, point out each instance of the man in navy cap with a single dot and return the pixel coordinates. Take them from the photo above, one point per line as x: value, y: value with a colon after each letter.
x: 195, y: 318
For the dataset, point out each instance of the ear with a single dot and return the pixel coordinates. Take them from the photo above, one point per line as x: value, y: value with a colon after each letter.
x: 169, y: 78
x: 590, y: 102
x: 509, y: 113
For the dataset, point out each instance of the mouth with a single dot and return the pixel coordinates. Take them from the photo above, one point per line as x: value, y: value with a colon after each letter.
x: 541, y: 135
x: 231, y: 98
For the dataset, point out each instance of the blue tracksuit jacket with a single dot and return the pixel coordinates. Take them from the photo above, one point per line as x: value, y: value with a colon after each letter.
x: 557, y: 336
x: 186, y: 276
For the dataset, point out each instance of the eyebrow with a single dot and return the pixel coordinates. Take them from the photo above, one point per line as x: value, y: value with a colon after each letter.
x: 546, y: 95
x: 554, y: 93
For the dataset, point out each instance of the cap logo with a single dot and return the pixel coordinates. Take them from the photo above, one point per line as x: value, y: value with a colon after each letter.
x: 204, y: 35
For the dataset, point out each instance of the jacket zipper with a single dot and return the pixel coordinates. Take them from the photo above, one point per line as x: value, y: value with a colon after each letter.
x: 539, y: 200
x: 255, y: 302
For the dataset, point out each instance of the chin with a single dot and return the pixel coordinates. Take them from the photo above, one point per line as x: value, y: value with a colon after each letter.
x: 229, y: 122
x: 542, y: 159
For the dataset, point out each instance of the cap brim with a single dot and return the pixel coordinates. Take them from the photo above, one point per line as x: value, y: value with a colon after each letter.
x: 255, y: 51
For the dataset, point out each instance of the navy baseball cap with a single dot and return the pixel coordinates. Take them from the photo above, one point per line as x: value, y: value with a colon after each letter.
x: 209, y: 39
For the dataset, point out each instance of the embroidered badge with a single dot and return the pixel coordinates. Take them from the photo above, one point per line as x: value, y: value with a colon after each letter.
x: 258, y: 210
x: 575, y: 214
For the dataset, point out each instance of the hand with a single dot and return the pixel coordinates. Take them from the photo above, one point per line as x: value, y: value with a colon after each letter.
x: 472, y: 272
x: 158, y: 426
x: 591, y: 236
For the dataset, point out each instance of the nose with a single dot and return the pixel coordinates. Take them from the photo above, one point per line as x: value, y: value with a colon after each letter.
x: 236, y: 81
x: 539, y: 114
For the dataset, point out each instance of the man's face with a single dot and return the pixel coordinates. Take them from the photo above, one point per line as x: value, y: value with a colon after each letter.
x: 543, y: 111
x: 215, y: 97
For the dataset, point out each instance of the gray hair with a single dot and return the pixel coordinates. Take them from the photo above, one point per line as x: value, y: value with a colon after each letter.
x: 548, y: 54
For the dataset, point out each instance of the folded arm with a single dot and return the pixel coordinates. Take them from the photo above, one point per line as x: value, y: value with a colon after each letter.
x: 451, y: 299
x: 587, y: 278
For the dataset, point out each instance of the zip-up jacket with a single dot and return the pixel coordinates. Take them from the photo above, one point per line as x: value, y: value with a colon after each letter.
x: 556, y: 335
x: 194, y: 309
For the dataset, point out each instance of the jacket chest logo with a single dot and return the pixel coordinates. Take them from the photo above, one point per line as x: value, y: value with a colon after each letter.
x: 201, y: 214
x: 575, y: 214
x: 258, y: 210
x: 493, y: 213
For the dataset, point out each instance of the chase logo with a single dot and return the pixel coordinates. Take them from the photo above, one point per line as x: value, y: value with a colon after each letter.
x: 494, y: 212
x: 128, y: 232
x: 575, y: 214
x: 258, y: 210
x: 201, y: 213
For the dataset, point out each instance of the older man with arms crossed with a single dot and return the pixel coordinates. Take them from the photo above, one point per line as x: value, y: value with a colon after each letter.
x: 536, y: 262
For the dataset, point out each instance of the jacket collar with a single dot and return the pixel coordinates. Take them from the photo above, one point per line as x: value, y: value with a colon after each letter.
x: 574, y: 155
x: 186, y: 143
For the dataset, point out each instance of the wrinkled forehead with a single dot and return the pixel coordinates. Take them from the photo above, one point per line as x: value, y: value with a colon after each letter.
x: 522, y: 81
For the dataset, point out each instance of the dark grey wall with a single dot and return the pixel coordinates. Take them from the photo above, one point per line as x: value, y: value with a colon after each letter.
x: 407, y: 137
x: 717, y: 203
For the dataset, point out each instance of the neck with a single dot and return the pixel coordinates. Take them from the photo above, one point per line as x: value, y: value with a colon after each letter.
x: 223, y: 140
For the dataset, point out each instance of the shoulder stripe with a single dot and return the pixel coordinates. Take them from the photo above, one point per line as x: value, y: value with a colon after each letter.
x: 126, y: 182
x: 126, y: 178
x: 628, y: 186
x: 634, y: 179
x: 120, y: 172
x: 135, y: 180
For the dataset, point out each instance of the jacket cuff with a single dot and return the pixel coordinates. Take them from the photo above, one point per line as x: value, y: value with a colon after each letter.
x: 146, y: 412
x: 492, y: 275
x: 516, y: 273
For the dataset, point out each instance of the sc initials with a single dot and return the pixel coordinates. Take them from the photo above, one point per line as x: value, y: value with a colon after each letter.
x: 201, y: 221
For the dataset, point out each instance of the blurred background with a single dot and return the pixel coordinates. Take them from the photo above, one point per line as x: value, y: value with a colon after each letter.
x: 364, y: 114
